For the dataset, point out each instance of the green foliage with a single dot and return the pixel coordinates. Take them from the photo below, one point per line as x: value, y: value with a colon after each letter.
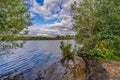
x: 97, y: 23
x: 67, y: 51
x: 14, y: 16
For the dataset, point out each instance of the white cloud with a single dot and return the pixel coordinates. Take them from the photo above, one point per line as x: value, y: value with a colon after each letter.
x: 49, y: 11
x: 51, y: 30
x: 51, y: 7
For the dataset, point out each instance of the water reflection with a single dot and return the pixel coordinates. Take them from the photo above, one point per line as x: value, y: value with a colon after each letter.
x: 5, y: 47
x: 29, y: 61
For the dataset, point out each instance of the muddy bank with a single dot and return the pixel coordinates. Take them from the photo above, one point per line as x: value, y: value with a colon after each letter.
x: 69, y: 70
x: 95, y: 70
x: 83, y: 68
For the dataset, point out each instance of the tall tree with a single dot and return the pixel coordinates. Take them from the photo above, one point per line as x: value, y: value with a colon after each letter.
x: 14, y: 16
x: 97, y: 23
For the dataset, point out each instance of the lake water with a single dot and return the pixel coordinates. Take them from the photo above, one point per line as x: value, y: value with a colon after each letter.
x: 28, y: 62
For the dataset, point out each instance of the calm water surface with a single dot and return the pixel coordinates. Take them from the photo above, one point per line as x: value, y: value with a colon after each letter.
x: 28, y: 62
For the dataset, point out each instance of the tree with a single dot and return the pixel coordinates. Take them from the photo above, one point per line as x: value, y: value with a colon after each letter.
x: 97, y: 23
x: 14, y: 16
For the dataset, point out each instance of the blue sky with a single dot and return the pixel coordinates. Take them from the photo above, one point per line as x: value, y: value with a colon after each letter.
x: 41, y: 2
x: 51, y: 17
x: 39, y: 18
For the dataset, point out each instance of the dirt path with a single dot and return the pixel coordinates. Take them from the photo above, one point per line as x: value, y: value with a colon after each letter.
x: 113, y: 69
x: 95, y: 70
x: 102, y: 70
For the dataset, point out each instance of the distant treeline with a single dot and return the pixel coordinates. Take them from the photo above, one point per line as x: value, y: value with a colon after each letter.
x: 13, y: 38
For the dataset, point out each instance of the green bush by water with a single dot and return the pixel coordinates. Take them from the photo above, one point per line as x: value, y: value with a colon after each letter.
x: 67, y: 51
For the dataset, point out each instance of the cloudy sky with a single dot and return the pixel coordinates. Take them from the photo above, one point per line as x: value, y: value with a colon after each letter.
x: 51, y: 17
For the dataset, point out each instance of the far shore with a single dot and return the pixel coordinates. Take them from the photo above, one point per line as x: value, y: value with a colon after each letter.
x: 12, y: 38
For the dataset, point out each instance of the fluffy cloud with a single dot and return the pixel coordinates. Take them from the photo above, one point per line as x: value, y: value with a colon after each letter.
x: 52, y: 9
x: 49, y: 7
x: 52, y: 30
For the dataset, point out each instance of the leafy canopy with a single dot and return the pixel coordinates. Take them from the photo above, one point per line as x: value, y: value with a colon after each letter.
x: 14, y: 16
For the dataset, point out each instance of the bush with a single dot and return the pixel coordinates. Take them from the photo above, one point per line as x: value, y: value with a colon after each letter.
x: 67, y: 51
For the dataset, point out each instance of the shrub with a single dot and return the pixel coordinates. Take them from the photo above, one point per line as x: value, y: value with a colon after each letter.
x: 67, y: 51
